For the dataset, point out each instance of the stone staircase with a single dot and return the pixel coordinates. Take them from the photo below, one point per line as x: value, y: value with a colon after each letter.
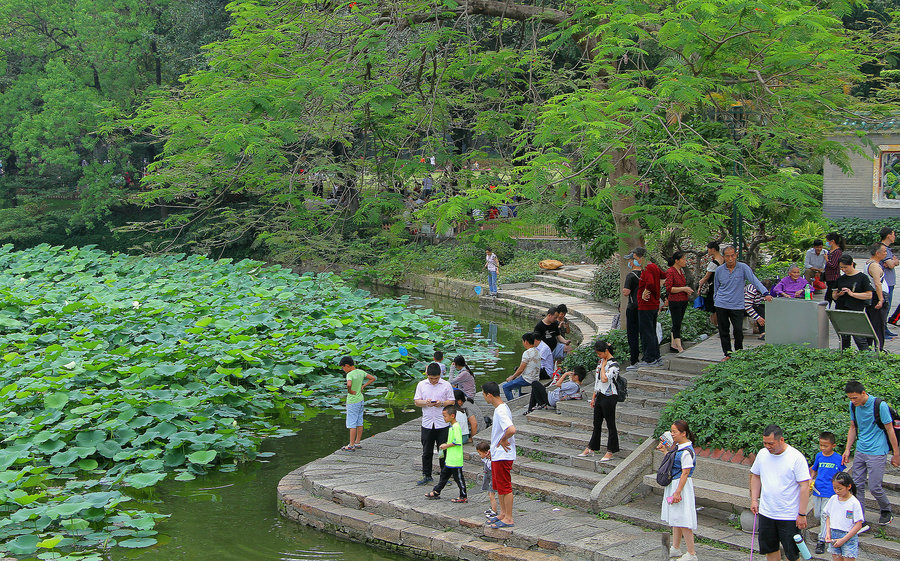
x: 569, y: 285
x: 549, y: 469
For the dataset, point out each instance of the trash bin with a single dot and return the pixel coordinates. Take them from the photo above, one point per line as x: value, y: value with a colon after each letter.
x: 791, y: 321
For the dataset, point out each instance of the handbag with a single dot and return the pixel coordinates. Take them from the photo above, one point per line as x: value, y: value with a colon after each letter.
x: 699, y: 302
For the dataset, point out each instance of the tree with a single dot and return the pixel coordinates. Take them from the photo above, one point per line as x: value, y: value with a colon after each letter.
x: 630, y: 97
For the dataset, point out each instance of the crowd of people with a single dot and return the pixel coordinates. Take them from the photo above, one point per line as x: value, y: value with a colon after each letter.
x: 781, y: 480
x: 731, y: 291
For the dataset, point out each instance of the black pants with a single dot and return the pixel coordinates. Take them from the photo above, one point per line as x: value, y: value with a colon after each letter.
x: 634, y: 337
x: 877, y: 317
x: 458, y: 477
x: 605, y: 410
x: 864, y: 343
x: 761, y: 310
x: 538, y: 396
x: 430, y: 439
x: 677, y: 309
x: 736, y: 318
x: 647, y: 328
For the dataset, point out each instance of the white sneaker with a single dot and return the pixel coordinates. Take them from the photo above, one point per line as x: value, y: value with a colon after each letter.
x: 674, y: 553
x: 688, y: 557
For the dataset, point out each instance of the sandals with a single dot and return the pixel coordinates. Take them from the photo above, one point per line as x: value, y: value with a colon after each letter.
x: 433, y: 496
x: 586, y: 454
x: 348, y: 448
x: 459, y: 500
x: 501, y: 524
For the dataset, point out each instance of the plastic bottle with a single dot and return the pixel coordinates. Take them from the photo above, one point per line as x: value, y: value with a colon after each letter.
x: 801, y: 545
x: 806, y: 294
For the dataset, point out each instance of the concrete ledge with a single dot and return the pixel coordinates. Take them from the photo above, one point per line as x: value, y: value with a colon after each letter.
x: 618, y: 485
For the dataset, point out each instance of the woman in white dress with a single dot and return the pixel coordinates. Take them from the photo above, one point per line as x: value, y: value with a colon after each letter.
x: 678, y: 507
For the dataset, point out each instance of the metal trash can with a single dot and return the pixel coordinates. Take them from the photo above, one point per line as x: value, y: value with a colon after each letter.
x: 791, y: 321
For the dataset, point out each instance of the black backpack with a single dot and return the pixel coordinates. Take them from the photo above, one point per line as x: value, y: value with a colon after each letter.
x: 621, y: 385
x: 664, y: 473
x: 895, y: 419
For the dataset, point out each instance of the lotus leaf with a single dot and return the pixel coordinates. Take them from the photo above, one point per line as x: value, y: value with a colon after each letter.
x: 135, y: 365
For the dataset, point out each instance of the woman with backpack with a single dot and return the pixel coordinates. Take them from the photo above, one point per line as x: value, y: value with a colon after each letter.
x: 604, y: 402
x: 678, y: 510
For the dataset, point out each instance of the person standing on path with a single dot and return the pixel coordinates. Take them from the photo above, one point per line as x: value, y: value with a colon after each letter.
x: 492, y: 264
x: 874, y: 439
x: 648, y: 308
x: 432, y: 394
x: 503, y: 454
x: 888, y: 263
x: 604, y: 401
x: 355, y: 401
x: 678, y: 504
x: 814, y: 262
x: 779, y: 495
x: 833, y: 263
x: 678, y: 292
x: 730, y: 280
x: 715, y: 259
x: 878, y: 308
x: 852, y: 291
x: 630, y: 291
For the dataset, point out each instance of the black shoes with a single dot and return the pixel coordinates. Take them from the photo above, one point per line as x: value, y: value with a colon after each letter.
x: 885, y: 517
x: 424, y: 481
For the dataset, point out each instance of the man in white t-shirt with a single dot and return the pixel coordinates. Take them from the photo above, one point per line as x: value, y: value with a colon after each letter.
x: 779, y: 494
x: 503, y: 453
x: 529, y: 369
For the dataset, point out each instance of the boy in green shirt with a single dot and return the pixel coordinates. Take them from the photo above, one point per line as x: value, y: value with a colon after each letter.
x: 453, y: 464
x: 355, y: 387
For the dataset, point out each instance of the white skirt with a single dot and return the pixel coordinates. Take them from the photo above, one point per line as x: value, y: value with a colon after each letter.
x: 684, y: 513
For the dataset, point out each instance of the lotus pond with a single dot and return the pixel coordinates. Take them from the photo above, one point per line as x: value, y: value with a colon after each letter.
x: 128, y: 379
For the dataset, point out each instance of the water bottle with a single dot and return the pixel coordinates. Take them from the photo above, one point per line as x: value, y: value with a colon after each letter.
x: 801, y: 545
x: 806, y: 294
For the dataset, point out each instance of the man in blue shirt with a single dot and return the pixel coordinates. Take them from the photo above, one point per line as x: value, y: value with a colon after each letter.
x: 874, y: 440
x: 728, y: 285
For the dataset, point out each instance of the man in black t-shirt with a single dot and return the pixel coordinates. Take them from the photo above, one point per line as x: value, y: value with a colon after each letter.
x: 629, y: 290
x: 853, y: 291
x: 548, y: 330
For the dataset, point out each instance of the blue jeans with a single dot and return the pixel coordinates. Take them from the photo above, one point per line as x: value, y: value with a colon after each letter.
x: 492, y: 282
x: 508, y: 387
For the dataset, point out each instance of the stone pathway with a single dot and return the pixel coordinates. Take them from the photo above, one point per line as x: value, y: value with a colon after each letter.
x: 370, y: 495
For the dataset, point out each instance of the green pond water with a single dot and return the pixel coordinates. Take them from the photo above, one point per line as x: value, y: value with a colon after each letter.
x: 233, y: 516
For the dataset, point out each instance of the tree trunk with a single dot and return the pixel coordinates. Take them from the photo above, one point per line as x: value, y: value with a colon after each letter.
x: 627, y: 226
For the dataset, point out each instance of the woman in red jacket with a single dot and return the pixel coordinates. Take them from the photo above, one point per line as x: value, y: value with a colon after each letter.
x: 678, y: 293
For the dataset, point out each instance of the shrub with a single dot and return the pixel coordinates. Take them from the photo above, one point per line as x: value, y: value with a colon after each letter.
x: 776, y: 270
x: 695, y: 324
x: 799, y: 388
x: 859, y: 231
x: 585, y: 356
x: 605, y: 284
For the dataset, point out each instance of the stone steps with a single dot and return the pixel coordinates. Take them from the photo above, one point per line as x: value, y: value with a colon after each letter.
x: 555, y: 454
x: 561, y: 281
x: 661, y: 375
x: 722, y: 526
x: 567, y: 290
x: 635, y: 401
x: 578, y: 274
x: 554, y: 491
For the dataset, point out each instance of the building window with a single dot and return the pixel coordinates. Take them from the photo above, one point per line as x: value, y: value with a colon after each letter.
x: 886, y: 177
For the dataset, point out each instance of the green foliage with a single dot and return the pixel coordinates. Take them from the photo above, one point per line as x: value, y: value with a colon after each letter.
x: 776, y: 271
x: 118, y: 371
x: 695, y: 323
x: 585, y: 356
x: 605, y: 283
x: 799, y: 388
x: 593, y: 227
x: 859, y: 231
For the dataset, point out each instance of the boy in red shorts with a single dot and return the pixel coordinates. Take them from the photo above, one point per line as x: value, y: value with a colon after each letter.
x: 503, y: 453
